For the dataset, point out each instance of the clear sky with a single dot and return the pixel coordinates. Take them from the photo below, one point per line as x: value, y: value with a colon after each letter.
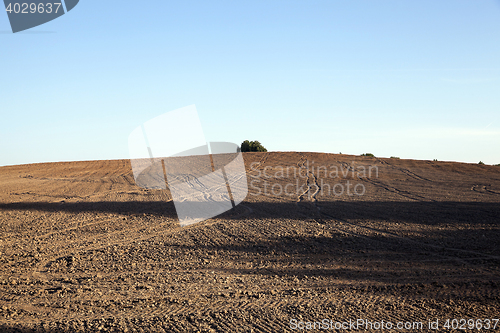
x: 414, y: 79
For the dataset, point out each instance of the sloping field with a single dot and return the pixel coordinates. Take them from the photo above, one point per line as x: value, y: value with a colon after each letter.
x: 320, y: 238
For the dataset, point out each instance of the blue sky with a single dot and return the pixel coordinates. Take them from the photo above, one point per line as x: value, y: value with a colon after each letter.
x: 414, y: 79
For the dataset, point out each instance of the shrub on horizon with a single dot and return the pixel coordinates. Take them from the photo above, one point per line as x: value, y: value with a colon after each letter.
x: 395, y: 157
x: 368, y: 154
x: 481, y: 163
x: 247, y: 146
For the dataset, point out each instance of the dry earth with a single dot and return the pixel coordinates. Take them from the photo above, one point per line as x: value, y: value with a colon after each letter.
x: 83, y: 249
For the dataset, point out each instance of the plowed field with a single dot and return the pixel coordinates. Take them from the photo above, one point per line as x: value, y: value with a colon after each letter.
x: 320, y: 238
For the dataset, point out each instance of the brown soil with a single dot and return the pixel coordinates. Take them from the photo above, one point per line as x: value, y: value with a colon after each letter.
x: 83, y: 249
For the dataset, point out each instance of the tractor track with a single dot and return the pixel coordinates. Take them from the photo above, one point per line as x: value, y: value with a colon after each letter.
x: 407, y: 172
x: 341, y: 224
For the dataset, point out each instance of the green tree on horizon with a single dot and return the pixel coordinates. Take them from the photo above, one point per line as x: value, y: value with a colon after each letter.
x: 256, y: 146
